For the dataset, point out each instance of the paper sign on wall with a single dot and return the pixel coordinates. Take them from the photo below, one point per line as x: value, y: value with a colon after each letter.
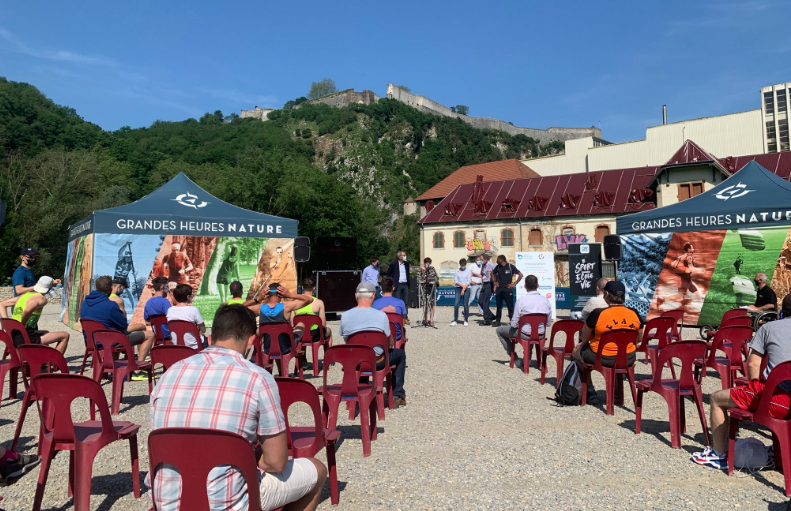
x: 542, y: 265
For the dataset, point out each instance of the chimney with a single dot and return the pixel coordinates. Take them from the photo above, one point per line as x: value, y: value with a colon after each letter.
x: 664, y: 114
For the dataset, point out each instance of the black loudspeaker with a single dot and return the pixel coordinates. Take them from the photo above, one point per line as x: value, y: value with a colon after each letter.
x: 302, y: 249
x: 612, y: 247
x: 412, y: 299
x: 336, y: 253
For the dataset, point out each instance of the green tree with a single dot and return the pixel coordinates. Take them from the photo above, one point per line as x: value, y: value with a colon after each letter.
x: 461, y: 109
x: 324, y: 87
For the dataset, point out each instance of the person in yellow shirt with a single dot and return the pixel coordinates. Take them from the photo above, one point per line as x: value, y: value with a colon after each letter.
x: 27, y: 310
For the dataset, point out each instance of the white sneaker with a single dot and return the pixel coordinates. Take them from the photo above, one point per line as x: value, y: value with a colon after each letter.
x: 465, y: 323
x: 453, y: 323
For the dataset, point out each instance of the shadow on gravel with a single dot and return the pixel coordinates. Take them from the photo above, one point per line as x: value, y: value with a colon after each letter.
x: 129, y: 402
x: 658, y: 428
x: 353, y: 431
x: 120, y: 485
x: 778, y: 506
x: 24, y: 443
x: 6, y: 422
x: 325, y: 492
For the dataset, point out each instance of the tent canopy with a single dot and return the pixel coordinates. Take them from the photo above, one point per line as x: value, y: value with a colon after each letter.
x: 181, y: 207
x: 752, y: 197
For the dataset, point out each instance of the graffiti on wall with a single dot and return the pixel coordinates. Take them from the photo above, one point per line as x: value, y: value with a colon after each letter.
x: 563, y: 240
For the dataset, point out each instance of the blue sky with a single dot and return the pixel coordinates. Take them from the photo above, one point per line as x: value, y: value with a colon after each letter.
x: 535, y: 64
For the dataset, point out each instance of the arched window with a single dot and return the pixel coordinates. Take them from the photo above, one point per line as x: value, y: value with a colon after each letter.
x: 458, y: 239
x: 601, y: 231
x: 507, y: 238
x: 439, y: 240
x: 536, y: 238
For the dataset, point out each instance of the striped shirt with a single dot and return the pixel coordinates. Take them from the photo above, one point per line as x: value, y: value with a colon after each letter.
x: 217, y: 389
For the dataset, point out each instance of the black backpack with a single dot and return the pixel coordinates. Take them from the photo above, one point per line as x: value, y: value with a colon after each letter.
x: 569, y: 389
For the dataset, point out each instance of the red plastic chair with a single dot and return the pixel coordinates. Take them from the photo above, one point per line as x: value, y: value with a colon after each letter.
x: 307, y: 441
x: 260, y: 358
x: 731, y: 340
x: 350, y: 358
x: 742, y: 321
x: 678, y: 315
x: 84, y: 439
x: 168, y: 354
x: 613, y: 376
x: 383, y: 379
x: 534, y: 320
x: 674, y: 390
x: 780, y: 427
x: 9, y: 365
x: 744, y: 380
x: 662, y: 330
x: 34, y: 357
x: 120, y: 369
x: 725, y: 321
x: 179, y: 328
x: 309, y: 320
x: 177, y: 447
x: 570, y: 327
x: 89, y: 326
x: 283, y: 361
x: 397, y: 319
x: 157, y: 321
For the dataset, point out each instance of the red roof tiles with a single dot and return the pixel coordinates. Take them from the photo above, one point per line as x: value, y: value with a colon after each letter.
x: 492, y: 171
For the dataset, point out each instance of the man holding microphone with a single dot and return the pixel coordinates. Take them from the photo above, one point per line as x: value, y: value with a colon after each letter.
x: 462, y: 281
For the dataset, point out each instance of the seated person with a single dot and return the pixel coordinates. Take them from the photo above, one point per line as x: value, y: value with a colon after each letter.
x: 531, y: 303
x: 314, y: 308
x: 245, y: 398
x: 98, y: 307
x: 771, y: 340
x: 119, y: 286
x: 615, y: 315
x: 158, y: 304
x: 389, y: 303
x: 596, y: 302
x: 237, y: 290
x: 765, y: 297
x: 184, y: 310
x: 27, y: 310
x: 365, y: 317
x: 274, y: 310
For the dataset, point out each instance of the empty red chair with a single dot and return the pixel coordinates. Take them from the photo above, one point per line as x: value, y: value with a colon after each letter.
x: 283, y: 361
x: 84, y: 439
x: 397, y: 319
x: 534, y: 320
x: 10, y: 366
x: 260, y: 358
x: 731, y: 341
x: 569, y: 327
x: 662, y: 329
x: 678, y: 316
x: 168, y: 354
x: 177, y: 447
x: 382, y: 379
x: 89, y: 326
x: 725, y: 321
x: 309, y: 320
x: 613, y: 376
x: 779, y: 426
x: 179, y: 328
x: 120, y: 369
x: 307, y: 441
x: 35, y: 357
x: 674, y: 390
x: 157, y: 321
x: 350, y: 358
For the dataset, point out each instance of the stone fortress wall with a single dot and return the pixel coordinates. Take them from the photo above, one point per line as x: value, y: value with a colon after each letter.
x: 258, y: 113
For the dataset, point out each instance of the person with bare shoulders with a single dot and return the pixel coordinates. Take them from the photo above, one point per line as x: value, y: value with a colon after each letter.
x: 119, y: 286
x: 685, y: 267
x: 27, y: 310
x: 275, y: 310
x: 313, y: 308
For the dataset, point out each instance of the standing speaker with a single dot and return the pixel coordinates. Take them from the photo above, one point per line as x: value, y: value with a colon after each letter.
x: 302, y: 249
x: 612, y: 247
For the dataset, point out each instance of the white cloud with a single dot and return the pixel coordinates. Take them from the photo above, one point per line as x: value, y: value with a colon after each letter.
x: 57, y: 55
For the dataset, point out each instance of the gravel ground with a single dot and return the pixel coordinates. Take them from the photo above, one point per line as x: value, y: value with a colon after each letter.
x: 475, y: 435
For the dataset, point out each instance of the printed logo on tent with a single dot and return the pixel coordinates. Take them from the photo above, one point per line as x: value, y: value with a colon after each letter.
x: 189, y: 200
x: 733, y: 192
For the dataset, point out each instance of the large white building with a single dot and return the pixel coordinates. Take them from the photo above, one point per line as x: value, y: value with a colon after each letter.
x: 775, y: 110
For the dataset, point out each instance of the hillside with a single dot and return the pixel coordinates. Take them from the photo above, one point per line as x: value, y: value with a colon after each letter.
x: 340, y: 172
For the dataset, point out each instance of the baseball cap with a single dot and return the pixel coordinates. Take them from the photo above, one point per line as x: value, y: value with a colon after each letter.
x: 43, y: 285
x: 236, y: 287
x: 28, y: 251
x: 614, y: 287
x: 366, y: 287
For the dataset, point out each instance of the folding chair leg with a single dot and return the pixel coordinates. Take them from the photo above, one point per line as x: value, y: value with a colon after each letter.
x: 135, y: 466
x: 46, y: 461
x: 698, y: 397
x: 26, y: 402
x: 333, y: 473
x: 638, y: 412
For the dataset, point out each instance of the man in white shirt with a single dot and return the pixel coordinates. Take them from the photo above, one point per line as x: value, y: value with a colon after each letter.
x: 462, y: 281
x: 531, y: 303
x: 596, y: 302
x: 476, y: 280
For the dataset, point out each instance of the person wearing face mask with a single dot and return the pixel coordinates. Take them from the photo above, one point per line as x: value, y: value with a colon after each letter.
x: 399, y: 272
x: 23, y: 279
x: 428, y: 279
x: 462, y: 280
x: 765, y: 297
x: 371, y: 274
x: 485, y: 296
x: 476, y: 281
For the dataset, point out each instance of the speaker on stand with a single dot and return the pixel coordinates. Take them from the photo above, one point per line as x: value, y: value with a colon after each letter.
x: 301, y: 255
x: 612, y: 249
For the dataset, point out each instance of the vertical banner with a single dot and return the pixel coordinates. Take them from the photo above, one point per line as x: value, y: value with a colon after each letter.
x: 584, y: 270
x: 542, y: 265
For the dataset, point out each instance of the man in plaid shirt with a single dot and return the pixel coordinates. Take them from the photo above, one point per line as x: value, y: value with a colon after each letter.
x: 218, y: 389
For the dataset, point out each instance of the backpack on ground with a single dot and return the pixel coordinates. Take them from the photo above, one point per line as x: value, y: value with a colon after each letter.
x: 568, y: 391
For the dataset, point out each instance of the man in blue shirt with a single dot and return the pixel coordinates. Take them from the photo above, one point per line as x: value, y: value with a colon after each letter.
x: 389, y: 303
x: 462, y: 280
x: 23, y: 279
x: 159, y: 304
x: 371, y: 274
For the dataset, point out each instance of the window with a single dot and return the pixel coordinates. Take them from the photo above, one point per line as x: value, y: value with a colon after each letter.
x: 784, y: 141
x: 458, y: 239
x: 507, y: 238
x: 536, y: 238
x: 439, y: 240
x: 689, y: 190
x: 769, y: 102
x: 480, y: 235
x: 601, y: 232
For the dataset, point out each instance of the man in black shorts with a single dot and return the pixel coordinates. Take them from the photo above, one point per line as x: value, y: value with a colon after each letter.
x: 98, y: 307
